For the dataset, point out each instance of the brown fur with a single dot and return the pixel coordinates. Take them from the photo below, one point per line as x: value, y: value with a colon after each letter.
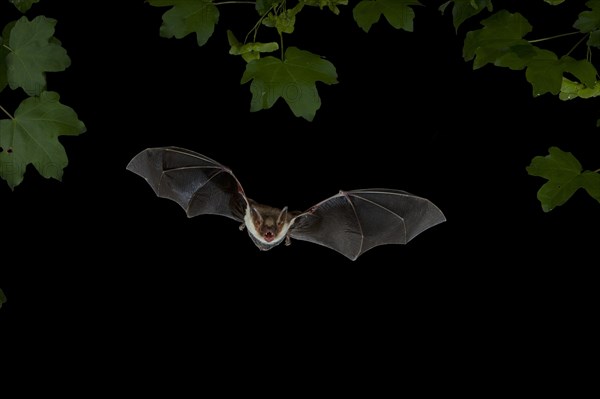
x: 267, y: 219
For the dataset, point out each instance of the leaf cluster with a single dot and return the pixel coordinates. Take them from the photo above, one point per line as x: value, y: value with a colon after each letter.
x: 503, y: 41
x: 28, y: 50
x: 294, y: 74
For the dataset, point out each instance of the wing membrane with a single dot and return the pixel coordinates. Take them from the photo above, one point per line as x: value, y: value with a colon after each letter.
x: 352, y: 222
x: 197, y: 183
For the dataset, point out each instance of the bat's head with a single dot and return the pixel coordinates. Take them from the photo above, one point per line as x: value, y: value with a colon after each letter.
x: 267, y: 226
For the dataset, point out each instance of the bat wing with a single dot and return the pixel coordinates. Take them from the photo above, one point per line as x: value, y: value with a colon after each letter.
x: 352, y: 222
x: 197, y: 183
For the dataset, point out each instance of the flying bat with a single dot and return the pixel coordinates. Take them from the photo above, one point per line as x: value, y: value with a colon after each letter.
x: 350, y: 222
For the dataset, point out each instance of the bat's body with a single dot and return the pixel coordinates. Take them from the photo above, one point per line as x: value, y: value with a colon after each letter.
x: 267, y: 226
x: 350, y: 222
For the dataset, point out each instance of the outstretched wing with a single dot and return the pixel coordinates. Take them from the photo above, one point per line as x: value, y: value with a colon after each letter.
x: 196, y: 182
x: 352, y: 222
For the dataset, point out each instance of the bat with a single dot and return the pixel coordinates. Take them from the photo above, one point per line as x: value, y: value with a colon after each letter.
x: 350, y: 222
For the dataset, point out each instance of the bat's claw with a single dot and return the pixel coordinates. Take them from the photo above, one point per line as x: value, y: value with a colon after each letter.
x: 288, y: 241
x: 242, y: 227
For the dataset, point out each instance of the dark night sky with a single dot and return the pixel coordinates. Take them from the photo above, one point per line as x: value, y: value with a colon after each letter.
x: 99, y: 254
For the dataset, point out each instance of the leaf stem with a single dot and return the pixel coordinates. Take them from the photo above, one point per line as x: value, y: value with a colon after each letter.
x: 553, y: 37
x: 257, y: 25
x: 577, y: 44
x: 6, y: 112
x: 281, y: 44
x: 597, y: 170
x: 8, y: 48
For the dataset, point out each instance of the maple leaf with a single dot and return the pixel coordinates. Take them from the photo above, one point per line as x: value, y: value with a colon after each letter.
x: 31, y: 137
x: 589, y: 21
x: 565, y: 176
x: 24, y: 5
x: 3, y: 68
x: 397, y: 12
x: 33, y: 51
x: 187, y: 17
x: 546, y: 75
x: 4, y: 51
x: 501, y: 35
x: 465, y: 9
x: 294, y: 79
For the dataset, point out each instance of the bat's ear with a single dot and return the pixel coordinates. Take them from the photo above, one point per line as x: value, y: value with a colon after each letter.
x: 257, y: 216
x: 282, y: 216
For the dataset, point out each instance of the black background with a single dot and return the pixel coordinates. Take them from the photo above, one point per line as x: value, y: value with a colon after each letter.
x: 97, y: 269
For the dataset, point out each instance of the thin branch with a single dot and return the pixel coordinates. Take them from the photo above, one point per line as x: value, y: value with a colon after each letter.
x: 6, y: 112
x: 552, y: 37
x: 597, y: 170
x: 577, y: 44
x: 257, y: 24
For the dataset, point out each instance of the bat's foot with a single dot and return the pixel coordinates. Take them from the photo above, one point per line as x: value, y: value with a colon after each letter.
x: 288, y: 241
x: 242, y: 227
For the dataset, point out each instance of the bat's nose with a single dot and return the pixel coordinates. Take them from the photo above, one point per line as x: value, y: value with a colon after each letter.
x: 269, y: 236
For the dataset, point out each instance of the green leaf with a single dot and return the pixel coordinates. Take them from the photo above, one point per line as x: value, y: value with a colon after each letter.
x: 570, y: 90
x: 294, y: 79
x: 262, y: 6
x: 546, y: 74
x: 594, y: 39
x: 581, y: 69
x: 3, y: 68
x: 2, y: 297
x: 188, y: 16
x: 397, y: 12
x: 331, y: 4
x: 554, y: 2
x: 249, y: 51
x: 501, y: 33
x: 501, y: 43
x: 284, y: 21
x: 589, y: 20
x: 590, y: 181
x: 32, y: 137
x: 564, y: 174
x: 3, y: 53
x: 24, y: 5
x: 465, y: 9
x: 33, y: 53
x: 517, y: 57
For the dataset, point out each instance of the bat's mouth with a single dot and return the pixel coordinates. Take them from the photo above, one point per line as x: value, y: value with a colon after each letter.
x: 263, y: 244
x: 269, y: 236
